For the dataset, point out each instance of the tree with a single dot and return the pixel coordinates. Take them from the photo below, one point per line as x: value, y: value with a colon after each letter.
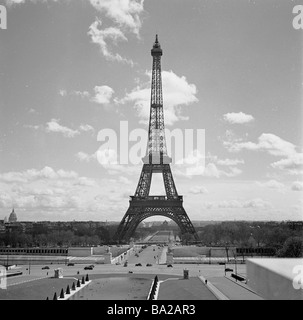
x: 292, y: 248
x: 186, y: 237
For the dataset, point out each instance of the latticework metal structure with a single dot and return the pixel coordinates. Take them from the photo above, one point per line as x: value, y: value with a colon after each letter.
x: 142, y: 205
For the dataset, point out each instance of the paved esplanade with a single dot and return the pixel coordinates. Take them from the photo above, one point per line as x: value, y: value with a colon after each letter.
x: 31, y: 286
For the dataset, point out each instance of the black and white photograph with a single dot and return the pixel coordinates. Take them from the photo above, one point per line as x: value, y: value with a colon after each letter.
x: 151, y: 150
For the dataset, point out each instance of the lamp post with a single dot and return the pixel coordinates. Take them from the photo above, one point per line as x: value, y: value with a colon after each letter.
x: 236, y: 265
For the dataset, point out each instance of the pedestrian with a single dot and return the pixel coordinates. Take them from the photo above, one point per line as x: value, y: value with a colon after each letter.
x: 205, y: 281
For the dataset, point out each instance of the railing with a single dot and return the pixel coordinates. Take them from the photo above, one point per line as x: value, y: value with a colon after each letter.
x: 154, y: 198
x: 33, y: 251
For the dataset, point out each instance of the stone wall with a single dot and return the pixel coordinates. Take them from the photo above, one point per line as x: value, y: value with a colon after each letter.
x: 80, y: 251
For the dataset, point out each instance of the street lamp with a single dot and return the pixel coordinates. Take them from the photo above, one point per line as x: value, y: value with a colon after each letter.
x: 236, y: 265
x: 7, y: 260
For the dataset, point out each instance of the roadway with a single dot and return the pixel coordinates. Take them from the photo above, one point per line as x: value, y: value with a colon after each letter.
x: 153, y: 254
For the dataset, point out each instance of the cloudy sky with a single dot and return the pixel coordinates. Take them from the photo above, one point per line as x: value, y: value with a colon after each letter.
x: 70, y: 69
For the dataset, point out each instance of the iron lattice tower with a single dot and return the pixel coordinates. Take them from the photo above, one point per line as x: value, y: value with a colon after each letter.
x: 142, y: 205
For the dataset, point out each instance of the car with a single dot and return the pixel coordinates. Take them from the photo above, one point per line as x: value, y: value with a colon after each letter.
x: 169, y: 266
x: 149, y: 265
x: 118, y: 263
x: 88, y: 268
x: 125, y: 264
x: 228, y: 269
x: 137, y: 255
x: 92, y: 266
x: 45, y: 268
x: 138, y: 265
x: 70, y: 264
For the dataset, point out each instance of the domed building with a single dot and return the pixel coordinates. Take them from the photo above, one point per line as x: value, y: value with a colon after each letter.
x: 12, y: 217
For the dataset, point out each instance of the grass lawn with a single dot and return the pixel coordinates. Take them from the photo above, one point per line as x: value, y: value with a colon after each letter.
x: 188, y: 252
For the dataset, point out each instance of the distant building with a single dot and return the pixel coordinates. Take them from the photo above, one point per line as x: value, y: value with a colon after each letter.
x: 12, y: 217
x: 2, y: 226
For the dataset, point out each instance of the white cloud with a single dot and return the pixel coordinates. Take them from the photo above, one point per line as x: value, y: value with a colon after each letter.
x: 211, y: 170
x: 176, y: 90
x: 84, y: 181
x: 126, y: 13
x: 34, y: 174
x: 101, y: 36
x: 297, y: 186
x: 83, y: 156
x: 271, y: 143
x: 46, y: 189
x: 5, y: 200
x: 293, y: 164
x: 230, y: 162
x: 62, y: 92
x: 82, y: 94
x: 54, y: 126
x: 86, y: 128
x: 272, y: 184
x: 124, y: 180
x: 198, y: 190
x: 108, y: 159
x: 194, y: 164
x: 33, y: 127
x: 32, y: 110
x: 103, y: 94
x: 238, y: 118
x: 256, y: 203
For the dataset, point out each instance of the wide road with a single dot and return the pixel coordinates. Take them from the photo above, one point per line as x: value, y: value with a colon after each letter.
x: 151, y: 254
x: 162, y: 236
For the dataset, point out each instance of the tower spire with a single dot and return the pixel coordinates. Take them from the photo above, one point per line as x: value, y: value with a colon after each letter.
x: 156, y: 148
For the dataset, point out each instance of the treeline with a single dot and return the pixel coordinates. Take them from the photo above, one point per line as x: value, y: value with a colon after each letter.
x: 286, y: 239
x: 248, y: 234
x: 43, y: 237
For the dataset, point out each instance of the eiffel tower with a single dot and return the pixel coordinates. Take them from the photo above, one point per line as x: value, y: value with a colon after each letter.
x: 142, y: 205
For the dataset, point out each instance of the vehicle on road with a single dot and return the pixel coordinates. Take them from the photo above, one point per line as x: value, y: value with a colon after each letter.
x: 148, y: 264
x: 45, y: 268
x: 88, y: 268
x: 70, y: 264
x: 169, y: 266
x: 138, y: 265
